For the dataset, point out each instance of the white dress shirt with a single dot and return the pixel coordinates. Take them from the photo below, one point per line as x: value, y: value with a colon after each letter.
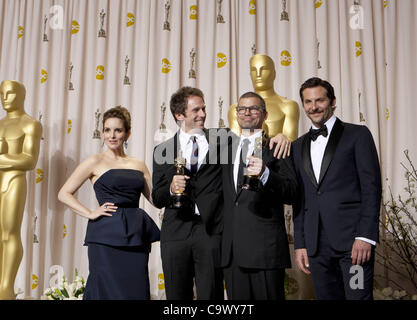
x: 186, y: 145
x: 317, y: 149
x: 265, y: 175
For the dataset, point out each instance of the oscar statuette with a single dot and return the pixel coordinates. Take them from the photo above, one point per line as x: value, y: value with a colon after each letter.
x: 126, y: 80
x: 252, y: 182
x: 162, y: 126
x: 284, y: 13
x: 102, y: 32
x: 192, y: 73
x: 178, y: 198
x: 96, y: 134
x: 220, y: 18
x: 45, y: 36
x: 167, y: 26
x: 70, y: 84
x: 221, y: 121
x: 318, y: 55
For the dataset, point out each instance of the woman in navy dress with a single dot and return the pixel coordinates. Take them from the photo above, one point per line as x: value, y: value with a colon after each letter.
x: 119, y: 233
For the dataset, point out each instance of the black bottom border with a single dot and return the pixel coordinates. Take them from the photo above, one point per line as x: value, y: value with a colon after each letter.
x: 166, y: 309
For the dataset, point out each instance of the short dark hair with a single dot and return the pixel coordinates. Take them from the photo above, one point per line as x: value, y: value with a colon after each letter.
x: 317, y: 82
x: 251, y: 94
x: 120, y: 113
x: 179, y: 99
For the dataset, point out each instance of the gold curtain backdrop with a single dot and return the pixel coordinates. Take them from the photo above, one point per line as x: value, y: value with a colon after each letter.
x: 79, y: 58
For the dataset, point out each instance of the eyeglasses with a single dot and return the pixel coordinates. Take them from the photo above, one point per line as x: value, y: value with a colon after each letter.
x: 252, y: 109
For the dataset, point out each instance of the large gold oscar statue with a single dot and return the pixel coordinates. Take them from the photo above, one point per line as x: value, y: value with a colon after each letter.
x: 283, y: 114
x: 20, y: 137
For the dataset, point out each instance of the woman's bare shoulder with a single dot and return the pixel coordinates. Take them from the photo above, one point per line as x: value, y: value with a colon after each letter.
x: 138, y: 164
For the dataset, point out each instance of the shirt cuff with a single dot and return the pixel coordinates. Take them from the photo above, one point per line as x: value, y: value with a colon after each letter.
x: 265, y: 176
x: 366, y: 240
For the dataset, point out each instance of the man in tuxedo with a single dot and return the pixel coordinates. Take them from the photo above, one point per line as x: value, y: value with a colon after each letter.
x: 336, y: 220
x: 190, y: 235
x: 255, y: 248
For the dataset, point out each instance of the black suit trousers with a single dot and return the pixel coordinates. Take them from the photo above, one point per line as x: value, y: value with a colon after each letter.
x: 253, y: 284
x: 334, y: 276
x: 196, y: 257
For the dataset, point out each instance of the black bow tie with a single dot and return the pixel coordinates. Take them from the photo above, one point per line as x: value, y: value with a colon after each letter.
x: 314, y: 133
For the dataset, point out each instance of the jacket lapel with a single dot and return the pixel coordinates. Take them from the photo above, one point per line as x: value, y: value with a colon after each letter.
x: 306, y: 158
x: 177, y: 145
x: 331, y: 148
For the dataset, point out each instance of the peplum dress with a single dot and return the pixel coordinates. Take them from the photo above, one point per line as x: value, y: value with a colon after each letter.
x: 119, y: 246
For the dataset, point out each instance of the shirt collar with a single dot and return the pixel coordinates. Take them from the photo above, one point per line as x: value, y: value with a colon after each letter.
x: 252, y: 137
x: 329, y: 124
x: 185, y: 137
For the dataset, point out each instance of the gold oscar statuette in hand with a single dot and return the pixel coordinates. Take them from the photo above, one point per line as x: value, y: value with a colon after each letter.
x: 20, y: 137
x: 178, y: 198
x: 252, y: 182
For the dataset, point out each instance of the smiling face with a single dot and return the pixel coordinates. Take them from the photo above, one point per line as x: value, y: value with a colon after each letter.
x: 248, y: 119
x: 12, y: 95
x: 317, y: 105
x: 195, y: 114
x: 262, y: 72
x: 114, y: 133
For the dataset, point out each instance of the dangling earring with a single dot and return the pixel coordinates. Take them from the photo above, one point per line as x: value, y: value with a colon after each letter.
x: 102, y: 144
x: 125, y: 144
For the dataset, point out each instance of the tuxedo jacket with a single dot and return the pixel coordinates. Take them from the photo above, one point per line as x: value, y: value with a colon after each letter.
x: 254, y: 231
x: 348, y: 195
x: 204, y: 189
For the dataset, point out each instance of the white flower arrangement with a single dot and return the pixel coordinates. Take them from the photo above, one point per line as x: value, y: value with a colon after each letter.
x: 66, y: 290
x: 391, y: 294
